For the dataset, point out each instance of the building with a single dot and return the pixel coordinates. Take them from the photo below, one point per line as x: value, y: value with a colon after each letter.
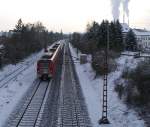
x: 6, y: 34
x: 125, y: 30
x: 142, y: 37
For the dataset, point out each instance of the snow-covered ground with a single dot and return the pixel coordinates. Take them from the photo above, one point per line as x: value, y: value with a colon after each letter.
x: 4, y: 72
x: 16, y: 89
x: 118, y: 113
x: 134, y: 53
x: 11, y: 94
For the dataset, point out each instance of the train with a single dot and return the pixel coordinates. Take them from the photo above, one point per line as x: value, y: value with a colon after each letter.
x: 47, y: 64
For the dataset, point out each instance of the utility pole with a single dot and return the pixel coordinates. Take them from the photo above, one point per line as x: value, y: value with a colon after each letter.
x: 104, y: 119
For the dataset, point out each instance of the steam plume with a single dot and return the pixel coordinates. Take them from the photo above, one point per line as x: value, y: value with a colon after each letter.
x: 116, y: 5
x: 125, y: 7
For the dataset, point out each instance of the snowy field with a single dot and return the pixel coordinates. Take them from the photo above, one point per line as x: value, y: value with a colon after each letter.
x: 118, y: 113
x: 11, y: 94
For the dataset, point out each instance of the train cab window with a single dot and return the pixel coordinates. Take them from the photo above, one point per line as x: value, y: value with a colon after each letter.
x: 52, y: 50
x: 55, y: 46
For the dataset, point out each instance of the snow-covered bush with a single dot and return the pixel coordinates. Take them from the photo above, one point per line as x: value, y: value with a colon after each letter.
x: 120, y: 89
x: 136, y: 88
x: 98, y: 60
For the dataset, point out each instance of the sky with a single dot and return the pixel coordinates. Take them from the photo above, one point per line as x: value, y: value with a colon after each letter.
x: 69, y: 15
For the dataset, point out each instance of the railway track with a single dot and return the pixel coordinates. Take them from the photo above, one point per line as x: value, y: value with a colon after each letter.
x: 73, y: 111
x: 31, y: 111
x: 63, y: 104
x: 66, y: 106
x: 52, y: 106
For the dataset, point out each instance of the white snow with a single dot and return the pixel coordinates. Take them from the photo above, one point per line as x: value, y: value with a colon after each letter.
x: 134, y: 53
x: 13, y: 92
x: 118, y: 113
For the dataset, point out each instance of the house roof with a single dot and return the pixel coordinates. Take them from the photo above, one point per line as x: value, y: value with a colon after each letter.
x: 142, y: 32
x: 137, y: 32
x: 125, y: 27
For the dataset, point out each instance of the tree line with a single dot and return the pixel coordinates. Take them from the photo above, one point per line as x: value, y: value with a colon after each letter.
x: 96, y: 37
x: 27, y: 39
x: 94, y: 42
x: 97, y: 34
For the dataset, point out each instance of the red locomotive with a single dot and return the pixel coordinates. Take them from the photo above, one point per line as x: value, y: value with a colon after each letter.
x: 46, y: 66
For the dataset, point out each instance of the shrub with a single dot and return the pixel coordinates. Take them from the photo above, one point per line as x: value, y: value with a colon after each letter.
x: 120, y: 89
x: 98, y: 60
x: 137, y: 86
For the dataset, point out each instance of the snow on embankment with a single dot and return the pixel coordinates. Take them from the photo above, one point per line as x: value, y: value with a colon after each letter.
x: 12, y: 93
x: 118, y: 114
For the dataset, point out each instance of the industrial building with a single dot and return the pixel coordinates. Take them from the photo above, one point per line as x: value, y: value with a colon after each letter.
x: 142, y: 37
